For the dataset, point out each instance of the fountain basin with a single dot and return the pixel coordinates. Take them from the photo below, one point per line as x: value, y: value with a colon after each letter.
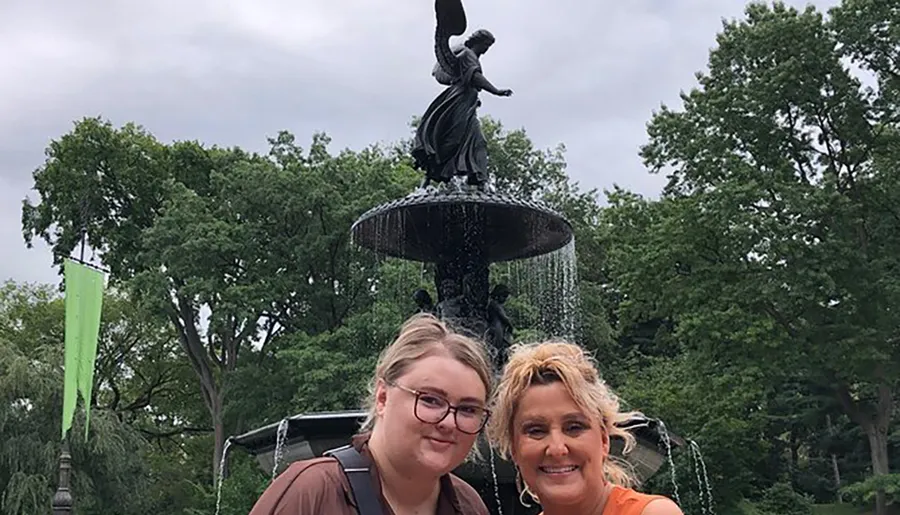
x: 432, y: 225
x: 309, y: 435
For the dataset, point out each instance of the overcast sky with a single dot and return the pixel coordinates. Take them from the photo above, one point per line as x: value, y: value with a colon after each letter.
x: 585, y: 73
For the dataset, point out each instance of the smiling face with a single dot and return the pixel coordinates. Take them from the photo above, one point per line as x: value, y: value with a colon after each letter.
x: 418, y: 447
x: 558, y: 448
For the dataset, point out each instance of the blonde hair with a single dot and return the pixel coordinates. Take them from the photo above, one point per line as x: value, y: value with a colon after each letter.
x: 421, y: 336
x: 568, y: 364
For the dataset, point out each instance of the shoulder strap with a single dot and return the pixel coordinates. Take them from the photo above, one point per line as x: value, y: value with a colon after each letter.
x: 356, y: 469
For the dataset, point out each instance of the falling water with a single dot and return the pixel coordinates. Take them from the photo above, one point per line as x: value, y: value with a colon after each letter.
x: 705, y: 489
x: 280, y: 437
x: 221, y: 477
x: 496, y: 482
x: 701, y: 493
x: 550, y: 282
x: 664, y: 433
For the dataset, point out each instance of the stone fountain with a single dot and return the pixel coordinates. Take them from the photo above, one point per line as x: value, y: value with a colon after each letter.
x: 460, y: 224
x: 462, y: 229
x: 309, y: 435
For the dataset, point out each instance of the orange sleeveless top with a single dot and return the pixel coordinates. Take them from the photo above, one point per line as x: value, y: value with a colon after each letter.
x: 625, y: 501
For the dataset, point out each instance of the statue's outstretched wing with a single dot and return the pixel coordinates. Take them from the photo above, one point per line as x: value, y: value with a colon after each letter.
x: 451, y: 21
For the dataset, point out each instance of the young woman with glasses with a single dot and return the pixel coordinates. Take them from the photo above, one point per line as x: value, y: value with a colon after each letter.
x: 427, y: 405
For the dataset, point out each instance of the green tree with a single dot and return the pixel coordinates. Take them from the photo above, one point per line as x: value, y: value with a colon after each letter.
x: 775, y: 243
x: 114, y: 461
x: 232, y: 249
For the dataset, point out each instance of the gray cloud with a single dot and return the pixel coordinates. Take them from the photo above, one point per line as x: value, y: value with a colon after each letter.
x: 232, y: 72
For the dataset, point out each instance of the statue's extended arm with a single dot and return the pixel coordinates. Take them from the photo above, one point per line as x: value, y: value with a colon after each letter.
x: 481, y: 82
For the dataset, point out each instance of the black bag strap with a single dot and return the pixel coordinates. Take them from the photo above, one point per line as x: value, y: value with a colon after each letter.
x: 356, y: 468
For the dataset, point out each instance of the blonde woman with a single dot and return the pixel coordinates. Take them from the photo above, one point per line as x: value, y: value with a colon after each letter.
x: 427, y: 405
x: 553, y: 417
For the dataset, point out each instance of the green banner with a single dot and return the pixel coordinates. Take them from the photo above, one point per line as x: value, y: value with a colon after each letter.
x: 84, y: 302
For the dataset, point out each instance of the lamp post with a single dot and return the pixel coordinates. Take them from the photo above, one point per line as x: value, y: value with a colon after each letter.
x: 62, y: 499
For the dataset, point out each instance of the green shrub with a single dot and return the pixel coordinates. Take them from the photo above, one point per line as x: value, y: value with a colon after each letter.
x: 781, y: 499
x: 863, y: 493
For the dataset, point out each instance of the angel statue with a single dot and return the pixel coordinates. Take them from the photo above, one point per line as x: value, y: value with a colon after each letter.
x: 449, y: 141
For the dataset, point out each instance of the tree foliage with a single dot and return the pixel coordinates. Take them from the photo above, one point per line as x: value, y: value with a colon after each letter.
x: 233, y: 249
x: 752, y: 306
x: 112, y: 462
x: 774, y: 245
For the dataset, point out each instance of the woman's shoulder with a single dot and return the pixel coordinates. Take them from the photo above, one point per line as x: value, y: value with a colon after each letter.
x: 467, y: 497
x: 303, y: 487
x: 627, y: 501
x: 321, y: 468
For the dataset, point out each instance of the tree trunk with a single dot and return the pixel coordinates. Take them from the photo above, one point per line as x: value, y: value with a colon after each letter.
x: 205, y: 360
x: 183, y: 317
x: 834, y: 464
x: 837, y: 479
x: 795, y: 458
x: 216, y: 413
x: 874, y: 422
x: 878, y: 446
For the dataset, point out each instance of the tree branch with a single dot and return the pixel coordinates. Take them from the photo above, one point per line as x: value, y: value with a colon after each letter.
x: 193, y: 347
x: 851, y: 408
x: 176, y: 432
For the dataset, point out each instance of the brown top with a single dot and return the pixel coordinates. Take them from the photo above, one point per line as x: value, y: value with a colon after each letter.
x: 317, y: 486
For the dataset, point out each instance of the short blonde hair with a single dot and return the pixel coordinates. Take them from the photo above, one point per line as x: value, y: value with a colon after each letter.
x: 421, y: 336
x: 569, y: 364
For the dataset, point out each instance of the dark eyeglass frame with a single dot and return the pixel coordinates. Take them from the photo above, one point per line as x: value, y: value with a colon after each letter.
x: 450, y: 407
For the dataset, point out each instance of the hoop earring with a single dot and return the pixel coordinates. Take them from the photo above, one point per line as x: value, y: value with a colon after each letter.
x: 522, y: 500
x: 523, y: 490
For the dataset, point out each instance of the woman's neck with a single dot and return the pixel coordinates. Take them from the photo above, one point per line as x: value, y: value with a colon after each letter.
x: 591, y: 505
x: 407, y: 491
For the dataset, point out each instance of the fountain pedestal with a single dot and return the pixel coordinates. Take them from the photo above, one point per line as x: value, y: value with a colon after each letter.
x: 462, y: 231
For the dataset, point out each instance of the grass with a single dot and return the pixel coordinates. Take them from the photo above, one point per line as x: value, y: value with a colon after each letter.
x: 838, y: 509
x: 746, y: 508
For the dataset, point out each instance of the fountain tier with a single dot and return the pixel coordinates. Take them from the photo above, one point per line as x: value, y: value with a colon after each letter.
x: 435, y: 227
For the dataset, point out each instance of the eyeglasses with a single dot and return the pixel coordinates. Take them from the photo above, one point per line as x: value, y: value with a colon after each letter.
x: 431, y: 408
